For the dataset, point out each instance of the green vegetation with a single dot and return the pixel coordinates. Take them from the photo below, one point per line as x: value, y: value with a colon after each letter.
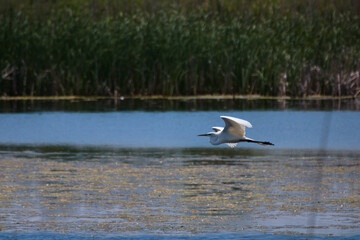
x: 189, y: 47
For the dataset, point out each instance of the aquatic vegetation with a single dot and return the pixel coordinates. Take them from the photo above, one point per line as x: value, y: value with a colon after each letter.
x: 195, y: 191
x: 111, y: 48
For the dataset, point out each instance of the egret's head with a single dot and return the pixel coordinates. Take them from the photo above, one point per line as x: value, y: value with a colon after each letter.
x: 213, y: 137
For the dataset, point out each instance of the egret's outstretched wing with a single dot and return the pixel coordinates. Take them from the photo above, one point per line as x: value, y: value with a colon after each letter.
x: 235, y: 126
x: 217, y: 129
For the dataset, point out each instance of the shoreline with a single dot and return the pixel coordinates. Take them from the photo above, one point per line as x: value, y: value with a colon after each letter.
x: 162, y: 97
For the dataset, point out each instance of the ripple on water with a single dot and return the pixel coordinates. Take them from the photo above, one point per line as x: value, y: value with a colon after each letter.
x: 142, y: 192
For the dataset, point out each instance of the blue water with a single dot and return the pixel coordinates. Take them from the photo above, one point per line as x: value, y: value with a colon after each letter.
x: 286, y: 129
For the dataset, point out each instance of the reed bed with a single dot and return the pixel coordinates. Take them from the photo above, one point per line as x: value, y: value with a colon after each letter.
x: 107, y: 48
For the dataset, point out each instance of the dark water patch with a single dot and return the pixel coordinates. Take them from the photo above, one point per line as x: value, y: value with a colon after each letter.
x: 128, y: 104
x: 210, y: 154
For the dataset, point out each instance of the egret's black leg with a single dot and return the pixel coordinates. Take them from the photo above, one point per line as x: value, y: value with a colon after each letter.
x: 258, y: 142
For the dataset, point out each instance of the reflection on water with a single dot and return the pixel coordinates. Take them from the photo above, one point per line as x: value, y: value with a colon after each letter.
x: 185, y: 104
x: 177, y: 191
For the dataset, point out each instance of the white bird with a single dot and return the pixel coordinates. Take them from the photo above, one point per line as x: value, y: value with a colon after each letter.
x: 233, y: 133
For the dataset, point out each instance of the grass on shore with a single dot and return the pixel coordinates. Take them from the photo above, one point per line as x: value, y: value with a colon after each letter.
x: 111, y: 48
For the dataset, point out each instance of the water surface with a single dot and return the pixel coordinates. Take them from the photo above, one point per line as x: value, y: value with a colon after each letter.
x: 286, y: 129
x: 136, y: 168
x: 181, y: 104
x: 174, y: 191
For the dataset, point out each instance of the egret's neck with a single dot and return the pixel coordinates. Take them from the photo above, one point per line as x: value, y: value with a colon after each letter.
x: 214, y: 138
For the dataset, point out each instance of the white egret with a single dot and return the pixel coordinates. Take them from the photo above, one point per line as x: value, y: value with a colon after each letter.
x: 233, y: 133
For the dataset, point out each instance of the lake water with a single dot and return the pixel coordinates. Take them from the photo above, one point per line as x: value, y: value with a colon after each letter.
x: 136, y: 168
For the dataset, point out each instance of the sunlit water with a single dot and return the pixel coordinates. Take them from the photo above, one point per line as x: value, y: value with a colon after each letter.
x: 145, y: 174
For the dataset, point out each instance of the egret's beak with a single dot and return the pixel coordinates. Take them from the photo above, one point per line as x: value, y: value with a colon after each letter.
x: 204, y: 135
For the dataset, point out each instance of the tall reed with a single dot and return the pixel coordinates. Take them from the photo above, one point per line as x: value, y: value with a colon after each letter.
x: 192, y: 47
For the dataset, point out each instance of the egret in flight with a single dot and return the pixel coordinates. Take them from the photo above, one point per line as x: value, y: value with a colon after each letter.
x: 233, y: 133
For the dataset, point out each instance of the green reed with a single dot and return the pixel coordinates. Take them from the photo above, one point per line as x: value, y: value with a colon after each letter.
x: 138, y: 48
